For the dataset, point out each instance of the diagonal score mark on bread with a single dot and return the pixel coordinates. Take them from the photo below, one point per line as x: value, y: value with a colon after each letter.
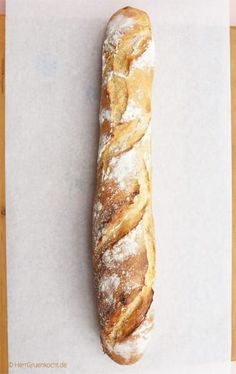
x: 123, y: 239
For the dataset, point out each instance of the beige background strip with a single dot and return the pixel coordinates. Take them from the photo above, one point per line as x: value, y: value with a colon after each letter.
x: 3, y: 285
x: 233, y: 102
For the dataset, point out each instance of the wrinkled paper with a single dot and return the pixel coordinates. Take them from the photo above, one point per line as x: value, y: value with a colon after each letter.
x: 53, y: 70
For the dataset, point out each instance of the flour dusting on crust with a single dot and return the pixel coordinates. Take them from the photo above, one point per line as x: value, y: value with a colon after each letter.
x: 133, y: 111
x: 146, y: 60
x: 124, y: 168
x: 119, y: 22
x: 111, y: 74
x: 105, y: 114
x: 124, y: 248
x: 107, y: 286
x: 115, y: 30
x: 136, y: 343
x: 103, y: 140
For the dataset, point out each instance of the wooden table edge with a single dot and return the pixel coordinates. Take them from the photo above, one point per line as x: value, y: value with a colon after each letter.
x: 3, y: 274
x: 233, y: 132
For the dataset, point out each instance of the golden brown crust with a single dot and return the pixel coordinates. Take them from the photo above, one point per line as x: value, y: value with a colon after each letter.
x: 123, y: 239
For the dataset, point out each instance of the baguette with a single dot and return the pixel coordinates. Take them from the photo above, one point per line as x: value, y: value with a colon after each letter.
x: 123, y: 234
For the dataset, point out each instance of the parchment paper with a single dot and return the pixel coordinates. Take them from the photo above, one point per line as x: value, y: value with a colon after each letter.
x: 53, y: 67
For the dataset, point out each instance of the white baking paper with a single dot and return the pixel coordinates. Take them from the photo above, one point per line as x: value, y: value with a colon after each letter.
x: 53, y: 70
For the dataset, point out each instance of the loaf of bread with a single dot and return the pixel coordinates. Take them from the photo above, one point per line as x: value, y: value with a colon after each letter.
x: 123, y: 237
